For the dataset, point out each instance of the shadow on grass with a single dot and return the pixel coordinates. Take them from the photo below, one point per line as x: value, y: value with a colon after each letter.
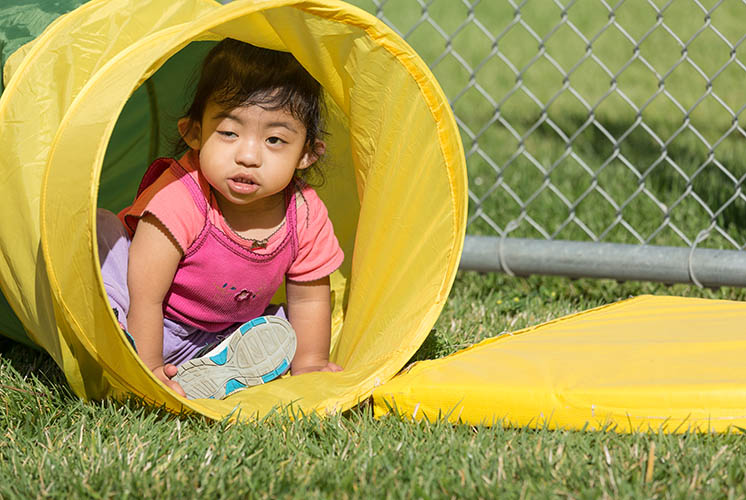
x: 30, y: 362
x: 32, y: 373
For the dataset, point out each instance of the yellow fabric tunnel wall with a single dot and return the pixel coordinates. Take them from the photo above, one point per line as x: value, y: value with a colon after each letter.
x: 87, y: 106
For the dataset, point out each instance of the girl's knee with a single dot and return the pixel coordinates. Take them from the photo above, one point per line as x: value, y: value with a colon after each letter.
x: 106, y: 219
x: 111, y: 235
x: 109, y: 229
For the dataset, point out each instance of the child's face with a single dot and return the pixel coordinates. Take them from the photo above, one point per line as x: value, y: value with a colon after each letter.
x: 248, y: 153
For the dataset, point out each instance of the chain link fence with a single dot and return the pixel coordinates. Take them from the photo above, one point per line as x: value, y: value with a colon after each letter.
x: 603, y: 138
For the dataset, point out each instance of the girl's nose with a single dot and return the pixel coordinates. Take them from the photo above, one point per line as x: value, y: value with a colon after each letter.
x: 249, y: 153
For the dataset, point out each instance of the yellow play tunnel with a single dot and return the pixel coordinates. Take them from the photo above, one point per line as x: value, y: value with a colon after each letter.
x: 94, y: 99
x: 644, y: 364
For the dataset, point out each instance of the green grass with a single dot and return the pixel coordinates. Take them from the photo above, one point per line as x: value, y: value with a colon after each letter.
x: 55, y: 445
x: 644, y: 186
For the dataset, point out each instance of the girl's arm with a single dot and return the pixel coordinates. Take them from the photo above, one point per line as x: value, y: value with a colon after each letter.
x: 309, y: 311
x: 153, y: 258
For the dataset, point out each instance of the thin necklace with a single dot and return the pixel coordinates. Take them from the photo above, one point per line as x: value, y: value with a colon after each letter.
x: 254, y: 242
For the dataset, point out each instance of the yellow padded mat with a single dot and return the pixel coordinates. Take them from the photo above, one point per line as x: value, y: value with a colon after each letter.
x: 645, y: 363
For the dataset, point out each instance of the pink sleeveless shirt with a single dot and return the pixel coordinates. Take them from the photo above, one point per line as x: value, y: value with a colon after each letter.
x: 218, y: 282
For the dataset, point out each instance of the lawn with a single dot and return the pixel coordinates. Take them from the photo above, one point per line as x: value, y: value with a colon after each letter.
x: 54, y: 444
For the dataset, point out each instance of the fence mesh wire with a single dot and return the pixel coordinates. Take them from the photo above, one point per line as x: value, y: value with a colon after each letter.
x: 593, y: 120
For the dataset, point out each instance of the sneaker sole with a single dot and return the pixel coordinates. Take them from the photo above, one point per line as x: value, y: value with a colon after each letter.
x: 257, y: 352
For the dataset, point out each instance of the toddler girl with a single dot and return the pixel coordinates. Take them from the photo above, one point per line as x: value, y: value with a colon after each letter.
x: 190, y: 268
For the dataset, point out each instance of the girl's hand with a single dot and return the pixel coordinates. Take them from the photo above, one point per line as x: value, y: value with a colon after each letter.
x: 329, y: 367
x: 165, y: 373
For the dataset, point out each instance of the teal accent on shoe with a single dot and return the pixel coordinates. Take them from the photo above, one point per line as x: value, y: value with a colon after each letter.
x: 258, y: 321
x: 281, y: 369
x: 276, y: 372
x: 233, y: 385
x: 220, y: 358
x: 251, y: 324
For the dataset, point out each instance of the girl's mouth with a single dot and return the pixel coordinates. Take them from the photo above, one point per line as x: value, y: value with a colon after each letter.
x: 242, y: 185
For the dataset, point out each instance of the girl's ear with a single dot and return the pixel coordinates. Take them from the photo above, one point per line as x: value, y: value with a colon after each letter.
x: 191, y: 132
x: 311, y: 154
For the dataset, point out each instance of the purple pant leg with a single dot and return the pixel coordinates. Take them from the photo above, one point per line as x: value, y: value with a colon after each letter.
x: 182, y: 342
x: 113, y: 252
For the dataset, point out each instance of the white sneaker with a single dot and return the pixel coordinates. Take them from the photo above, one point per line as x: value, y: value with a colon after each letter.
x: 257, y: 352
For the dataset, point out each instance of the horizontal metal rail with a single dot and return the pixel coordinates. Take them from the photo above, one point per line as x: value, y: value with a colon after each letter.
x: 522, y: 257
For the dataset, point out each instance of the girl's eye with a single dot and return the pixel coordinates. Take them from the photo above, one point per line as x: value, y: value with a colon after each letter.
x: 227, y: 133
x: 275, y: 140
